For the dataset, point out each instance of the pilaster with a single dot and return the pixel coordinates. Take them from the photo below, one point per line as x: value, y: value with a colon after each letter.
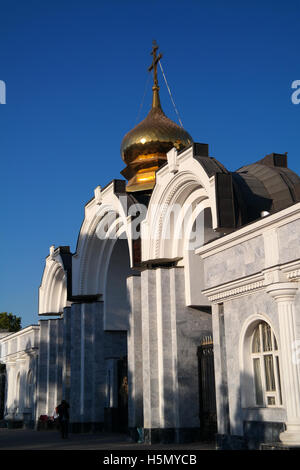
x: 284, y: 294
x: 171, y: 335
x: 135, y: 354
x: 86, y: 370
x: 220, y: 366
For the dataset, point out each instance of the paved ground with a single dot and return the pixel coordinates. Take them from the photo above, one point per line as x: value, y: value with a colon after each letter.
x: 23, y: 439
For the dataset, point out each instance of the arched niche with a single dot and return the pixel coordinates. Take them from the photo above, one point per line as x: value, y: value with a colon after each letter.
x: 116, y: 301
x: 199, y: 232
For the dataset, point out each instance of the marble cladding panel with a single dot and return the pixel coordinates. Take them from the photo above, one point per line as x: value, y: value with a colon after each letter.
x: 66, y: 354
x: 135, y: 354
x: 52, y: 366
x: 87, y: 376
x: 236, y: 314
x: 42, y: 368
x: 233, y: 263
x: 289, y: 241
x: 150, y: 350
x: 98, y: 371
x: 191, y: 326
x: 115, y: 344
x: 59, y: 360
x: 75, y: 388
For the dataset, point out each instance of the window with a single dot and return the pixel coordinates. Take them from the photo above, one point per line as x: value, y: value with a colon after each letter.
x: 265, y: 361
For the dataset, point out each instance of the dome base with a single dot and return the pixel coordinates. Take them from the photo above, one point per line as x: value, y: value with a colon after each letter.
x: 143, y: 180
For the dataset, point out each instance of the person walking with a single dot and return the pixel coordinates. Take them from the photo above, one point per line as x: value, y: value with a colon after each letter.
x: 63, y: 418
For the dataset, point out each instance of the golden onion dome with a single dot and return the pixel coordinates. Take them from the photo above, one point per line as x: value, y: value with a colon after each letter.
x: 144, y: 149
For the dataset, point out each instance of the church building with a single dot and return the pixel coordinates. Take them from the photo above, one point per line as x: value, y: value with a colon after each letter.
x: 178, y: 315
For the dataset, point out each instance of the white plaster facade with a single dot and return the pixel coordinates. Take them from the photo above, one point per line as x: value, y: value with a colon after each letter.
x: 19, y: 353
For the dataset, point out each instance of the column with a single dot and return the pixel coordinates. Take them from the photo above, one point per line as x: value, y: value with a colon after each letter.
x: 20, y: 393
x: 284, y: 294
x: 54, y: 369
x: 87, y: 374
x: 66, y: 365
x: 75, y: 361
x: 98, y: 371
x: 171, y: 334
x: 150, y: 355
x: 220, y: 366
x: 135, y: 354
x: 10, y: 389
x: 42, y: 369
x: 49, y: 383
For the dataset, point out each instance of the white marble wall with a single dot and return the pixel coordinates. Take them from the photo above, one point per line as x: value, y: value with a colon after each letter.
x: 86, y: 363
x: 171, y: 334
x: 236, y: 314
x: 233, y: 263
x: 50, y: 364
x: 135, y: 354
x: 289, y: 241
x: 251, y: 280
x: 90, y: 350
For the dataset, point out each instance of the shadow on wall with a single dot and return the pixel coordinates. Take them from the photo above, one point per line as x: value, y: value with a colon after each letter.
x: 247, y: 429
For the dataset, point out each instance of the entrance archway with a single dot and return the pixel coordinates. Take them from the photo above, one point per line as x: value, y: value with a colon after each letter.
x: 116, y: 325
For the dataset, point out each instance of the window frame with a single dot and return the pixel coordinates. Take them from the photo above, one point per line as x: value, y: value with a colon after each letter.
x: 267, y: 395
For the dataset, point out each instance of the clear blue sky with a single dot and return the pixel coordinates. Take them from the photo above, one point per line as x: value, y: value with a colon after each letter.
x: 75, y: 73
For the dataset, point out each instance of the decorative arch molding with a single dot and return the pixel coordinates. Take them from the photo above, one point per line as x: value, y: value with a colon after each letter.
x: 105, y: 222
x: 183, y: 190
x: 53, y: 288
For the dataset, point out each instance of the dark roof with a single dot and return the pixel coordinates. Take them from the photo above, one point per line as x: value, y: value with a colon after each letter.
x: 241, y: 196
x: 267, y: 185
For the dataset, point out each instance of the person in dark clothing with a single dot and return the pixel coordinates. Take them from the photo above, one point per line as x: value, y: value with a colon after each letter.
x: 63, y: 418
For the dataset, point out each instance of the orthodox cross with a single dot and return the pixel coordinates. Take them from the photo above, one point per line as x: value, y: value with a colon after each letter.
x: 155, y: 62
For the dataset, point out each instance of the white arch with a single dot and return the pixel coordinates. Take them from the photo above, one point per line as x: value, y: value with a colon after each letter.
x: 90, y: 262
x: 187, y: 188
x: 248, y: 328
x: 53, y: 289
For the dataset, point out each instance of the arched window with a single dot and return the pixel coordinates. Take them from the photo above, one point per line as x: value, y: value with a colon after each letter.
x: 265, y: 362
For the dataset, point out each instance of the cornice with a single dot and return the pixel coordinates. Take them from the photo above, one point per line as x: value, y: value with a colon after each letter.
x: 235, y: 288
x: 250, y: 231
x: 288, y: 274
x: 294, y: 275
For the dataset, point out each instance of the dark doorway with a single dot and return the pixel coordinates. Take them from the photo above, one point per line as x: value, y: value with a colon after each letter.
x: 207, y: 393
x: 123, y: 394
